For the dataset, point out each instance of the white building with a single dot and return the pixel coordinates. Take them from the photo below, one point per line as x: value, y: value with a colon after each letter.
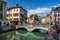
x: 55, y: 12
x: 3, y: 5
x: 16, y: 15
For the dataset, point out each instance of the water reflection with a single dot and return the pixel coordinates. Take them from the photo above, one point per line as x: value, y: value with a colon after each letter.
x: 20, y: 35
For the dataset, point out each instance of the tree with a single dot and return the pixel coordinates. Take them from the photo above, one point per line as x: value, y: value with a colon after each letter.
x: 36, y: 17
x: 40, y: 19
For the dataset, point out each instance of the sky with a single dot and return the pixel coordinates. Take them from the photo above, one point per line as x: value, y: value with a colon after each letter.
x: 41, y: 7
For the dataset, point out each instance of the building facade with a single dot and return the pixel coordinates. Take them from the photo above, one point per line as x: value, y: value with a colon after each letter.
x: 3, y: 10
x: 55, y: 13
x: 46, y: 19
x: 16, y: 14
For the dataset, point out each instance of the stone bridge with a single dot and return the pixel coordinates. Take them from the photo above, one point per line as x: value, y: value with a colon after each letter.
x: 31, y: 28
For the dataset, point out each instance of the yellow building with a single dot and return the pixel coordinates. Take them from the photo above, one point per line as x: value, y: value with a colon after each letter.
x: 16, y: 14
x: 46, y: 19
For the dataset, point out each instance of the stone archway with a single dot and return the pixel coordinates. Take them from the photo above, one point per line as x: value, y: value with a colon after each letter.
x: 35, y: 30
x: 22, y: 28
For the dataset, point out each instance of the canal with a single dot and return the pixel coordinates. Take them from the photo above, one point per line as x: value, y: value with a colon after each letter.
x: 22, y: 35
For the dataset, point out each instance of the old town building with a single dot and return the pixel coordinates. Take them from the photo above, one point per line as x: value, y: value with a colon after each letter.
x: 46, y: 19
x: 16, y: 15
x: 55, y: 13
x: 3, y: 10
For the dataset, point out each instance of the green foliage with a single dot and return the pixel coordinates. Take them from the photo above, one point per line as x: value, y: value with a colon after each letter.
x: 38, y: 18
x: 34, y: 15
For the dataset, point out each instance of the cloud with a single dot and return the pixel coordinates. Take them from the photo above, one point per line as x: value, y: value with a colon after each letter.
x: 55, y: 5
x: 39, y: 11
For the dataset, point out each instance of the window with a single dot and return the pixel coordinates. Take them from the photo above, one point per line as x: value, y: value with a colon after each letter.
x: 55, y: 15
x: 0, y: 23
x: 58, y: 19
x: 11, y: 10
x: 10, y: 19
x: 4, y: 23
x: 22, y: 11
x: 8, y: 15
x: 16, y: 9
x: 58, y: 15
x: 15, y: 14
x: 15, y: 18
x: 58, y: 11
x: 1, y: 7
x: 1, y: 16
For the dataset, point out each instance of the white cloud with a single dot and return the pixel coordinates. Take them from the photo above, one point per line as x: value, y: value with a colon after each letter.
x: 38, y: 11
x: 55, y: 5
x: 41, y: 11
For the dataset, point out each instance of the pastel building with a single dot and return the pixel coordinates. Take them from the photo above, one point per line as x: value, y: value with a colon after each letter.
x: 16, y: 14
x: 3, y: 10
x: 46, y: 19
x: 55, y: 13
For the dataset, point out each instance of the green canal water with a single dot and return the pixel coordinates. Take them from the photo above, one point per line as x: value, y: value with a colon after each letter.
x: 21, y: 35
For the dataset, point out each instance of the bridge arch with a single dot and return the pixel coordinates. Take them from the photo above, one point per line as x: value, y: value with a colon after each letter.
x: 35, y: 30
x: 22, y: 28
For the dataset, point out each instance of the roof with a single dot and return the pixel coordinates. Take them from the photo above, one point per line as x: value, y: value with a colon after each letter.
x: 55, y: 9
x: 17, y: 6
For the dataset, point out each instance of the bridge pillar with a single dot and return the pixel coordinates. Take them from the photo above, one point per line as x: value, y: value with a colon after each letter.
x: 29, y: 29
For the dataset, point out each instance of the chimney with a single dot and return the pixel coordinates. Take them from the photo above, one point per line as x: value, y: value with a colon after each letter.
x: 17, y: 5
x: 53, y: 8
